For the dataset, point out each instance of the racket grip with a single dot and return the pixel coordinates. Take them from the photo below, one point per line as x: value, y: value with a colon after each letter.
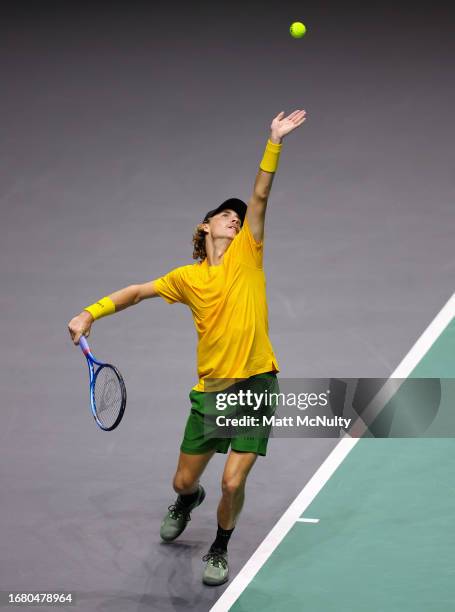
x: 84, y: 345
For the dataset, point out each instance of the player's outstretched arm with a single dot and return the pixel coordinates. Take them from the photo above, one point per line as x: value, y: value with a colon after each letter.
x: 257, y: 204
x: 119, y: 300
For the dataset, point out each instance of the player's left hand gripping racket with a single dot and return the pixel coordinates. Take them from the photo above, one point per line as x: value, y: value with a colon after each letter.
x: 107, y: 390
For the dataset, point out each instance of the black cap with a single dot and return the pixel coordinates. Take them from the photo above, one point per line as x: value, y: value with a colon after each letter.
x: 233, y: 204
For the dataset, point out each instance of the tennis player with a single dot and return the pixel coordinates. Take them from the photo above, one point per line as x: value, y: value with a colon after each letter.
x: 225, y: 291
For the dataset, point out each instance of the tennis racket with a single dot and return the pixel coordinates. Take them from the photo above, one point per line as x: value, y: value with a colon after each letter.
x: 107, y: 390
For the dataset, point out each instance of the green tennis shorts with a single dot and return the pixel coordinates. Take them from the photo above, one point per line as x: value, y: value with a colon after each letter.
x: 215, y: 421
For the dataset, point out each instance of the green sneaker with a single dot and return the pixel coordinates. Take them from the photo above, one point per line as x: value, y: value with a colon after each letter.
x: 178, y: 516
x: 217, y: 570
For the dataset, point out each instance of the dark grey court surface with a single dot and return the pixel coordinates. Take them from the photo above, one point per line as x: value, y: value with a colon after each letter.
x: 121, y: 125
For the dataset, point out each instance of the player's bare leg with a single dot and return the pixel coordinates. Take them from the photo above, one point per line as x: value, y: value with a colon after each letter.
x: 191, y: 493
x: 236, y: 470
x: 189, y: 470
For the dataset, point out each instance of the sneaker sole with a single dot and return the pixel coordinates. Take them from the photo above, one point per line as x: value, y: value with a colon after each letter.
x: 217, y: 583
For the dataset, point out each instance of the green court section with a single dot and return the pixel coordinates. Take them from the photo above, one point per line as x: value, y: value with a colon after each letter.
x: 386, y: 537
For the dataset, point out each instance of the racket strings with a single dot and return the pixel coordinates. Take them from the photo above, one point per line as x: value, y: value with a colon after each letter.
x: 108, y: 396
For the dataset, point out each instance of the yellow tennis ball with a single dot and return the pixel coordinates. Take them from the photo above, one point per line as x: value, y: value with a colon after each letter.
x: 297, y: 29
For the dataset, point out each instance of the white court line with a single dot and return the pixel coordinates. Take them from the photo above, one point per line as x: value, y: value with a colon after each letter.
x: 307, y: 520
x: 325, y: 471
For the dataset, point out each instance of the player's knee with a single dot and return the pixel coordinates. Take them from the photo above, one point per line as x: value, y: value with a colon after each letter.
x: 232, y: 485
x: 183, y: 483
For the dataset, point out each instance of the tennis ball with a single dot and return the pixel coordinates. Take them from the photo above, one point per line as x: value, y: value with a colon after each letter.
x: 297, y: 29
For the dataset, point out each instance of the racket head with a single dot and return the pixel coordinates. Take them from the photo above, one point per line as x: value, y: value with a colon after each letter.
x: 107, y: 396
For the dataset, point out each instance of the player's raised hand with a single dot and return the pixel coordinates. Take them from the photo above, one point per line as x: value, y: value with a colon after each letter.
x: 80, y: 326
x: 282, y: 125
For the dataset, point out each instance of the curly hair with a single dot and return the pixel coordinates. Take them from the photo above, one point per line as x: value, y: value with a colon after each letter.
x: 199, y: 251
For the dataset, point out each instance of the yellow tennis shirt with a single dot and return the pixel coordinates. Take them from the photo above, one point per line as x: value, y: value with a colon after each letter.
x: 229, y: 308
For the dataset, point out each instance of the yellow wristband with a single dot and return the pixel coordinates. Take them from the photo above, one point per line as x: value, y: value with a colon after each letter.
x: 269, y: 162
x: 101, y: 308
